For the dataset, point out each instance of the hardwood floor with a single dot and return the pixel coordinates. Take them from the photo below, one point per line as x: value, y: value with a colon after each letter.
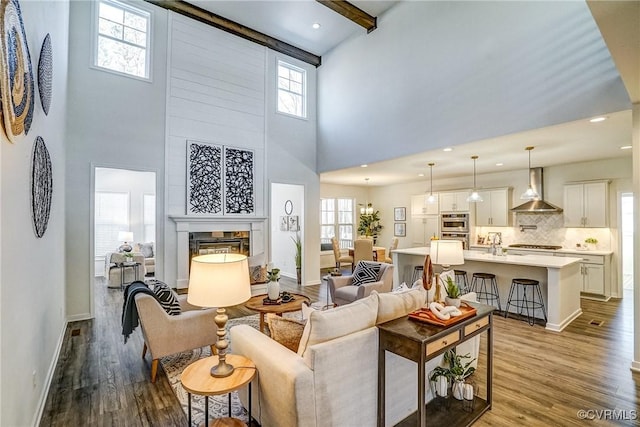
x: 541, y: 378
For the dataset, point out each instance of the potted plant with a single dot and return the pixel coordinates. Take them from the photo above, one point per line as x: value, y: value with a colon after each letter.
x: 459, y: 370
x: 369, y: 225
x: 128, y: 256
x: 298, y: 242
x: 453, y: 293
x: 273, y: 287
x: 591, y: 242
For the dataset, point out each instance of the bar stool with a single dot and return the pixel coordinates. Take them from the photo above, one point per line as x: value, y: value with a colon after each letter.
x: 461, y: 280
x: 528, y: 299
x: 479, y: 286
x: 417, y: 273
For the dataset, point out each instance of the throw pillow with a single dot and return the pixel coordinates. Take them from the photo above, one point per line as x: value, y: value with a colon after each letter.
x: 166, y: 297
x: 146, y: 249
x: 365, y: 272
x: 285, y: 331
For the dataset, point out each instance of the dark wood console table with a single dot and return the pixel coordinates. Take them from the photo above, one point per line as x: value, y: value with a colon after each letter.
x: 420, y: 342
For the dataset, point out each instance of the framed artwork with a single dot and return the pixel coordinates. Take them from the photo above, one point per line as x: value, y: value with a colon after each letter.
x: 399, y: 229
x: 284, y: 223
x: 41, y: 186
x: 238, y: 181
x: 294, y: 225
x: 204, y: 178
x: 399, y: 214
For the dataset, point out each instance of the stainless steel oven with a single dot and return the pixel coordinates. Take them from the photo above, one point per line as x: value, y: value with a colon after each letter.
x: 463, y: 237
x: 455, y: 223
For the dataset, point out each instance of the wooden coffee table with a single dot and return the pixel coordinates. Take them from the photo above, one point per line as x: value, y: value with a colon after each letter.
x: 255, y: 303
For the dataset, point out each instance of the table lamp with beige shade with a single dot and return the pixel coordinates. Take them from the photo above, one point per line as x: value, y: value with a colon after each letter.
x: 219, y: 280
x: 445, y: 253
x: 126, y: 237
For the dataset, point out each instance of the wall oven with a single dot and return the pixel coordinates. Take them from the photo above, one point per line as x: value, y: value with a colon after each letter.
x: 463, y: 237
x: 455, y: 223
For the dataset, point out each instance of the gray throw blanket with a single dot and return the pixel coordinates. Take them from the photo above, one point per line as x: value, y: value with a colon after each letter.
x: 129, y: 309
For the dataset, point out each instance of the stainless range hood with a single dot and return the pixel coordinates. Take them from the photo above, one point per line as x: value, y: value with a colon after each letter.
x: 536, y: 206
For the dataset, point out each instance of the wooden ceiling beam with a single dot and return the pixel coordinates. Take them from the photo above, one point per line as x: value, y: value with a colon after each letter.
x: 194, y: 12
x: 352, y: 13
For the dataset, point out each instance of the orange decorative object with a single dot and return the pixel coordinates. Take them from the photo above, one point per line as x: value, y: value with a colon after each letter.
x: 425, y: 315
x: 427, y: 273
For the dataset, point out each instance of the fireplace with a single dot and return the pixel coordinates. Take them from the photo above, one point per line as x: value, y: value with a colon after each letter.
x: 199, y: 235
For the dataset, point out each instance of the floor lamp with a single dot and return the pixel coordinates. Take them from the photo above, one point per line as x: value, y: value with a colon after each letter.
x: 219, y: 280
x: 445, y: 253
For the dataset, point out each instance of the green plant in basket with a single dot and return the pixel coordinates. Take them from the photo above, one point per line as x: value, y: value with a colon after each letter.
x: 453, y: 291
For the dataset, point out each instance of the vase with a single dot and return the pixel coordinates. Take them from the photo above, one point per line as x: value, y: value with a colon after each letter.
x: 457, y: 389
x: 452, y: 301
x: 273, y: 290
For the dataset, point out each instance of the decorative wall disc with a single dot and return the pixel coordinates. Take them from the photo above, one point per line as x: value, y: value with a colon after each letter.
x: 45, y: 74
x: 16, y: 74
x: 41, y: 186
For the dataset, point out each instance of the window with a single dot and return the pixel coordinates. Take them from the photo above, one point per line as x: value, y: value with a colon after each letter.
x: 122, y: 39
x: 336, y: 220
x: 149, y: 217
x: 111, y: 216
x: 292, y: 90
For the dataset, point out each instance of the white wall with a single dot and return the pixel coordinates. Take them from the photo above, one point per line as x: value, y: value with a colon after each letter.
x: 114, y: 121
x: 437, y: 74
x: 32, y: 300
x: 283, y: 250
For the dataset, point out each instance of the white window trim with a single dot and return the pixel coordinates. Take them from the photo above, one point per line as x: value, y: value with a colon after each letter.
x: 305, y: 97
x: 94, y: 43
x: 336, y: 215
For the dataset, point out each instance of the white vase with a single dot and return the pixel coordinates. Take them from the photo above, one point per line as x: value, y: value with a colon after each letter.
x: 457, y: 389
x: 273, y: 289
x: 452, y: 301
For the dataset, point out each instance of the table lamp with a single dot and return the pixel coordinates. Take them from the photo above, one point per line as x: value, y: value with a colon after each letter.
x: 219, y: 280
x: 125, y: 236
x: 445, y: 253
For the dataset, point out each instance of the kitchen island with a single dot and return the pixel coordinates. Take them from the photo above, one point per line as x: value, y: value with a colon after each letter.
x: 559, y: 277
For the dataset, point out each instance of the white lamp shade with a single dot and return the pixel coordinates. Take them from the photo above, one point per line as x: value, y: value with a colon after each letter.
x: 447, y: 252
x: 125, y: 236
x: 219, y: 280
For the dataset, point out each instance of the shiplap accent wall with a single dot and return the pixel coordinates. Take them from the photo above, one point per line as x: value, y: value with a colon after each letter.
x: 215, y: 93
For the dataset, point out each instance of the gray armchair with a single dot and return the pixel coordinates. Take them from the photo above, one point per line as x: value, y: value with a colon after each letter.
x: 165, y: 335
x: 343, y: 292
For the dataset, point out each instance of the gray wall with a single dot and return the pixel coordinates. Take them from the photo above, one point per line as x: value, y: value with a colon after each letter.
x: 32, y: 276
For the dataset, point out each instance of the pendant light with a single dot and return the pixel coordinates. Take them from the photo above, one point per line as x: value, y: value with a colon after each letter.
x: 474, y: 196
x: 367, y: 209
x: 431, y: 199
x: 530, y: 194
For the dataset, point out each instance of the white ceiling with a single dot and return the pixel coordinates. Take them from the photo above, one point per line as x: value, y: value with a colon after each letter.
x: 291, y: 21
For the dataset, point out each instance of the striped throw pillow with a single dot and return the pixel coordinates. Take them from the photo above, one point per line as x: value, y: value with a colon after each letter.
x: 365, y: 272
x: 166, y: 297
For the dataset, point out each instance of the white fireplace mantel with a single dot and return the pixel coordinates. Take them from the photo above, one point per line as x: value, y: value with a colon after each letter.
x: 186, y: 224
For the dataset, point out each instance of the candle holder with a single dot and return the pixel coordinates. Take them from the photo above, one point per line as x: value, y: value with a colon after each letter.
x: 441, y: 390
x: 469, y: 391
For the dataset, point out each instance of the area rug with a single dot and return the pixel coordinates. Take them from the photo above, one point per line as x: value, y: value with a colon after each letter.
x: 218, y: 405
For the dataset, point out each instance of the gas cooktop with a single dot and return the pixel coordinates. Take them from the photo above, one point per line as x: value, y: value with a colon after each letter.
x: 529, y: 246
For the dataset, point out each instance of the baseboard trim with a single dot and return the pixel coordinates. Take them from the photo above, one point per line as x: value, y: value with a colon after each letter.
x: 78, y: 317
x: 47, y: 384
x: 559, y: 328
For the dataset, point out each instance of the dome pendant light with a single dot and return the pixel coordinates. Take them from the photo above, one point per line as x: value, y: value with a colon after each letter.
x: 431, y: 199
x: 530, y: 194
x: 474, y: 196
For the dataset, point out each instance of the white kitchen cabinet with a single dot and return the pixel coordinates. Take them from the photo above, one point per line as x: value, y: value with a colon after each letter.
x: 494, y: 209
x: 595, y: 272
x: 455, y: 201
x: 420, y: 207
x: 423, y: 228
x: 585, y: 204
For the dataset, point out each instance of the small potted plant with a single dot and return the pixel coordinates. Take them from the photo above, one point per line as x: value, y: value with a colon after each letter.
x: 128, y: 257
x: 453, y: 293
x: 273, y: 287
x: 298, y: 242
x: 458, y: 371
x: 591, y: 242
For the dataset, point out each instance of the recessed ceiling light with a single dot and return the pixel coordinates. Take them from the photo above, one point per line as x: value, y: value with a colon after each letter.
x: 626, y: 147
x: 499, y: 164
x: 447, y: 149
x: 420, y: 174
x: 598, y: 119
x: 364, y: 166
x: 316, y: 25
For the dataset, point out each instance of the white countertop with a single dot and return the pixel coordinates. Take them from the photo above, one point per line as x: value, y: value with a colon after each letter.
x: 549, y: 261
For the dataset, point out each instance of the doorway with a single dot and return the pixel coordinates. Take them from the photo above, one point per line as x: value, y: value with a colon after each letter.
x: 287, y: 224
x: 626, y: 217
x: 124, y: 215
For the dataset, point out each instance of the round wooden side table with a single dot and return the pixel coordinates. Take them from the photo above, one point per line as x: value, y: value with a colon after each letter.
x: 256, y: 303
x: 197, y: 379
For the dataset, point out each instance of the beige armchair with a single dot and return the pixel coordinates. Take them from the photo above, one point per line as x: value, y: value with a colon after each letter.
x: 113, y: 269
x: 165, y: 335
x: 338, y: 255
x: 343, y: 292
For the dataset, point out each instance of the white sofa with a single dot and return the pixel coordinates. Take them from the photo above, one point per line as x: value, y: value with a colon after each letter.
x: 332, y: 380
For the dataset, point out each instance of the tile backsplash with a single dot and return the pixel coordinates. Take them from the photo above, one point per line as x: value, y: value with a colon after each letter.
x: 549, y: 230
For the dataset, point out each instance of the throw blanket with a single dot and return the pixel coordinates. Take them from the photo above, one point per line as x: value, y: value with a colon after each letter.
x: 129, y: 309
